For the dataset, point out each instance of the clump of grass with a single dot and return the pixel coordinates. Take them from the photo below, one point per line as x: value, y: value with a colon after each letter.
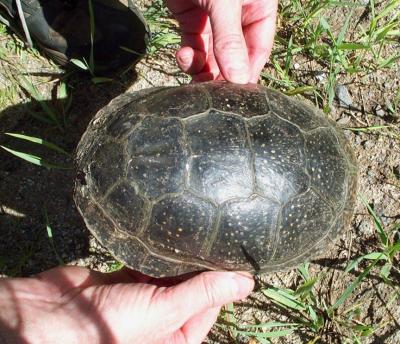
x: 20, y: 83
x: 8, y: 95
x: 163, y: 28
x: 387, y: 251
x: 319, y: 318
x: 307, y: 30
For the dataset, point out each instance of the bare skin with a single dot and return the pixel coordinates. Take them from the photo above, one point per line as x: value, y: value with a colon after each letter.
x: 77, y: 305
x: 225, y: 39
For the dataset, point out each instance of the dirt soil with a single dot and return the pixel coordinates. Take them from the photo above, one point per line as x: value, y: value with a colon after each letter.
x: 28, y: 192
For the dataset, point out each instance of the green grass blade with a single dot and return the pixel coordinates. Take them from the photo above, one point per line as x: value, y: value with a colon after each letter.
x: 270, y: 324
x: 306, y: 287
x: 283, y: 298
x: 116, y: 266
x: 92, y: 33
x: 389, y: 61
x: 231, y: 319
x: 344, y: 29
x: 288, y: 61
x: 324, y: 24
x: 303, y: 270
x: 63, y: 90
x: 33, y: 159
x: 370, y: 256
x: 393, y: 250
x: 50, y: 236
x: 274, y: 334
x: 375, y: 255
x: 300, y: 90
x: 378, y: 222
x: 344, y: 4
x: 312, y: 313
x: 352, y: 287
x: 39, y: 141
x: 82, y: 65
x: 353, y: 46
x: 385, y: 270
x: 388, y: 9
x: 368, y: 129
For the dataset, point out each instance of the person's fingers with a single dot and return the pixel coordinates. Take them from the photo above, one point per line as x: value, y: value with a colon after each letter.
x: 229, y: 43
x: 210, y: 70
x: 197, y: 327
x: 191, y: 61
x: 172, y: 280
x: 211, y: 67
x: 192, y: 19
x: 258, y: 56
x: 203, y: 77
x: 180, y: 6
x: 195, y: 29
x: 207, y: 290
x: 259, y: 20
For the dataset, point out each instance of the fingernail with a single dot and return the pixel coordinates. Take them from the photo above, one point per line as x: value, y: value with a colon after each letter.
x: 185, y: 59
x: 238, y: 73
x: 245, y: 284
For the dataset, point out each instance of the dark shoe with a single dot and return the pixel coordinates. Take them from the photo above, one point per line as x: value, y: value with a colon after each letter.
x: 61, y: 28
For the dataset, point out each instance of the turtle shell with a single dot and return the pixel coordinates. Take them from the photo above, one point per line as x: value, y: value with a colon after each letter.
x: 213, y: 176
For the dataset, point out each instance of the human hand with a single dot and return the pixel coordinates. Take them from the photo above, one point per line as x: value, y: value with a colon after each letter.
x: 77, y: 305
x: 225, y: 39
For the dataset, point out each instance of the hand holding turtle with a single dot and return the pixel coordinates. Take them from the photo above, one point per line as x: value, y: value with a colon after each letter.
x: 77, y: 305
x: 225, y: 39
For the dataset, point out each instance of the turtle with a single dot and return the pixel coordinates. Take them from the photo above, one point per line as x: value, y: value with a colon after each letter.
x: 214, y: 176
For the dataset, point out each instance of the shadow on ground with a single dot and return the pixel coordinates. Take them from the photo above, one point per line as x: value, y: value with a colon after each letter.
x: 28, y: 191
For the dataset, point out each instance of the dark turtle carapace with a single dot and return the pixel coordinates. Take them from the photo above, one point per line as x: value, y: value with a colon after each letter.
x: 214, y: 176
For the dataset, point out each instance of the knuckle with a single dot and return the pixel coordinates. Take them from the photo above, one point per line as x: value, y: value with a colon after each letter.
x: 229, y: 43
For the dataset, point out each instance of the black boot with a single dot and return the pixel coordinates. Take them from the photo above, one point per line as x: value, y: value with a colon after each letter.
x: 61, y: 28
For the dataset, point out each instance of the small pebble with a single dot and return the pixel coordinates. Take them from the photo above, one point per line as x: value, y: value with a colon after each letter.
x: 365, y: 228
x: 386, y: 220
x: 371, y: 174
x: 368, y: 144
x: 320, y: 76
x: 296, y: 66
x: 343, y: 96
x: 379, y: 111
x: 343, y: 120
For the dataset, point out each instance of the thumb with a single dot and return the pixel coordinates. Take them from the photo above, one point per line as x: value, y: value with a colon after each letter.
x: 229, y: 44
x: 204, y: 291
